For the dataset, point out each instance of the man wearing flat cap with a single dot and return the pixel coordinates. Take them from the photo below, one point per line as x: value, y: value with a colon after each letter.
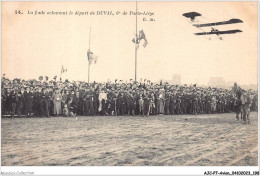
x: 38, y: 103
x: 28, y: 97
x: 46, y: 102
x: 88, y: 102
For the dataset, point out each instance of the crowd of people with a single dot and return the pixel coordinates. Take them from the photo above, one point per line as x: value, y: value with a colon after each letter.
x: 44, y: 98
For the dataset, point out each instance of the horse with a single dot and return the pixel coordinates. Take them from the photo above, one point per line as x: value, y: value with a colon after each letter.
x: 238, y: 109
x: 243, y: 104
x: 246, y: 105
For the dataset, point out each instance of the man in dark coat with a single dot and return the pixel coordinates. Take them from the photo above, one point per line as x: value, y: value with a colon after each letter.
x: 136, y: 98
x: 3, y: 101
x: 111, y: 102
x: 95, y: 101
x: 46, y: 102
x: 38, y: 103
x: 20, y: 103
x: 130, y: 103
x: 8, y: 103
x: 183, y: 103
x: 14, y: 100
x: 75, y: 103
x: 121, y: 103
x: 167, y: 103
x: 28, y: 97
x: 178, y: 104
x: 88, y: 101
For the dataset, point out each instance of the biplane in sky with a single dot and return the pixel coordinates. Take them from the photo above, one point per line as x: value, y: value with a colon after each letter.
x: 193, y: 19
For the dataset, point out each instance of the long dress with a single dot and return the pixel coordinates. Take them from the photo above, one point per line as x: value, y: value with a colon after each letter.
x: 161, y: 103
x: 102, y: 96
x: 57, y: 103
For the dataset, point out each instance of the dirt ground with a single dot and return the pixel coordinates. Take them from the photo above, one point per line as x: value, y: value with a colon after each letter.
x: 202, y: 140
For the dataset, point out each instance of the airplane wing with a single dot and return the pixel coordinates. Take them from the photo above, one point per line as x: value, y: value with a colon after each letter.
x: 219, y: 32
x: 191, y: 15
x: 231, y: 21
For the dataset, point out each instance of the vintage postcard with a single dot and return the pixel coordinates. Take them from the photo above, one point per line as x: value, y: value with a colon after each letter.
x: 130, y: 84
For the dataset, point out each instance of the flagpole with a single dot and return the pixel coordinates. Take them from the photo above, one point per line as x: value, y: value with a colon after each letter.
x: 62, y: 53
x: 61, y: 72
x: 136, y: 45
x: 88, y: 55
x: 88, y: 71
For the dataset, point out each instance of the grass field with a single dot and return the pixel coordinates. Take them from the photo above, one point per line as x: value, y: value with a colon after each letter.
x: 202, y: 140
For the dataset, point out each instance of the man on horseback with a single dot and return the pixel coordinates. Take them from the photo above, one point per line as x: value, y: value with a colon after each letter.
x: 243, y: 103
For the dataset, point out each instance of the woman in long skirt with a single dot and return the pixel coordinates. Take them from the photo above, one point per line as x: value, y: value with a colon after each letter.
x: 161, y: 102
x: 56, y: 97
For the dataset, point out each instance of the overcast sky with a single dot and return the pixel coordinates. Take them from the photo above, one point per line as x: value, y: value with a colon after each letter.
x: 34, y: 45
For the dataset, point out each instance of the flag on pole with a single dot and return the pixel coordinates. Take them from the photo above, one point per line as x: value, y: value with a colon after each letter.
x: 139, y: 38
x: 92, y: 58
x: 145, y: 43
x: 141, y: 35
x: 63, y: 69
x: 137, y: 41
